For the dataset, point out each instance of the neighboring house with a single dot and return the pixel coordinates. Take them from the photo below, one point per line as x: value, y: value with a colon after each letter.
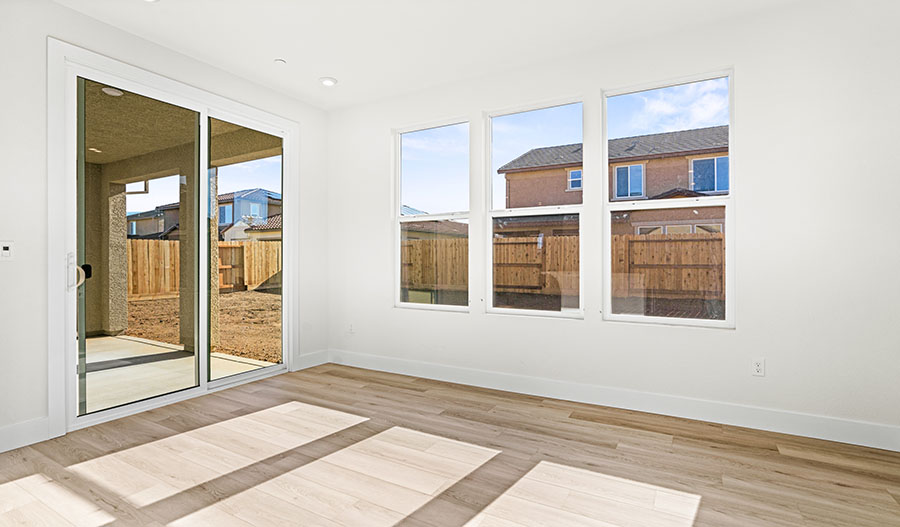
x: 265, y: 231
x: 686, y: 163
x: 143, y: 224
x: 434, y: 230
x: 244, y: 208
x: 430, y: 229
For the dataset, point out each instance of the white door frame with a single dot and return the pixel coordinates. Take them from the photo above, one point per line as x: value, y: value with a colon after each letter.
x: 65, y: 63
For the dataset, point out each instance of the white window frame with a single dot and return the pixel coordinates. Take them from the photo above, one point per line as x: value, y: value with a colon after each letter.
x: 66, y: 63
x: 258, y: 209
x: 714, y: 200
x: 399, y: 219
x: 492, y: 214
x: 132, y: 227
x: 715, y: 173
x: 628, y: 177
x: 569, y: 180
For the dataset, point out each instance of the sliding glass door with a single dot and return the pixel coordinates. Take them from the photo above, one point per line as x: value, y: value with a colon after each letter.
x: 245, y: 249
x: 137, y: 251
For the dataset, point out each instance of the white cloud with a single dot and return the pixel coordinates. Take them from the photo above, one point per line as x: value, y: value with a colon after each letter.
x: 694, y: 105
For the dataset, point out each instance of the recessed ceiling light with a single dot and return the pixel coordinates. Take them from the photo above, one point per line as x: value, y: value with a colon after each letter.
x: 112, y: 92
x: 328, y: 81
x: 151, y: 1
x: 97, y: 150
x: 280, y: 61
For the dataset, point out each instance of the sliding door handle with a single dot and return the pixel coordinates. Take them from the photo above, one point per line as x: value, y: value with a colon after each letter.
x: 82, y: 276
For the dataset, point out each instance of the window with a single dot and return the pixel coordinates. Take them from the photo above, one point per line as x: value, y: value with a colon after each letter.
x: 574, y: 179
x: 717, y: 227
x: 433, y: 214
x: 132, y: 228
x: 226, y: 214
x: 669, y: 263
x: 679, y: 229
x: 630, y: 181
x: 254, y: 210
x: 644, y: 231
x: 710, y: 174
x: 535, y: 242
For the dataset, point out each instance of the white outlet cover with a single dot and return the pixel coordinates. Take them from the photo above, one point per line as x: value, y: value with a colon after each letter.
x: 758, y: 371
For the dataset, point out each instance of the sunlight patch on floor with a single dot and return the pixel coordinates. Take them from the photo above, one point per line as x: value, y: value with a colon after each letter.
x: 157, y: 470
x: 553, y: 494
x: 375, y: 482
x: 39, y: 500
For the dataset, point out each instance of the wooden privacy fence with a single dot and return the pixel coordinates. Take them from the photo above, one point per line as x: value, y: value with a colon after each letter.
x: 153, y: 267
x: 435, y: 265
x: 547, y: 265
x: 669, y: 266
x: 649, y: 266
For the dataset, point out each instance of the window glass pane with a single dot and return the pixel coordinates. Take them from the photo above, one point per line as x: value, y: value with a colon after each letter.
x: 649, y: 230
x: 704, y: 175
x: 531, y: 153
x: 137, y: 318
x: 677, y: 274
x: 245, y: 249
x: 434, y: 262
x: 621, y: 182
x: 664, y: 129
x: 536, y: 262
x: 434, y: 170
x: 722, y: 174
x: 709, y: 228
x: 636, y: 183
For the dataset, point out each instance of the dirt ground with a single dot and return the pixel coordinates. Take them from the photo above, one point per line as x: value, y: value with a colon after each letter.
x: 249, y: 323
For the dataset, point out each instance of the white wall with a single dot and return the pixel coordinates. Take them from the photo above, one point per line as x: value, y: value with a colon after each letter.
x: 24, y: 28
x: 815, y: 162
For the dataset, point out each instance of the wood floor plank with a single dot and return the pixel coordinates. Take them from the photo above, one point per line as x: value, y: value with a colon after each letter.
x: 340, y: 446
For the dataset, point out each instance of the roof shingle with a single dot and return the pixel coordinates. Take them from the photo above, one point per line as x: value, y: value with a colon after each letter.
x: 715, y: 137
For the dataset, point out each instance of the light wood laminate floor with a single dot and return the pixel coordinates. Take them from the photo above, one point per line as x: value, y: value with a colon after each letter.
x: 335, y: 445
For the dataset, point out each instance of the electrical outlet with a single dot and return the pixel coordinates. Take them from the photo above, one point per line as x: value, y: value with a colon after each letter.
x: 350, y: 329
x: 758, y: 367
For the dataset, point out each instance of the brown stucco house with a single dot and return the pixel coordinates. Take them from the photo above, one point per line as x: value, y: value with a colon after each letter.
x: 686, y: 163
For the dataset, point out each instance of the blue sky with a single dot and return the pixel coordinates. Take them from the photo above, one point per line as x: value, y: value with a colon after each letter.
x: 514, y: 134
x: 263, y: 173
x: 694, y: 105
x: 435, y: 169
x: 435, y: 161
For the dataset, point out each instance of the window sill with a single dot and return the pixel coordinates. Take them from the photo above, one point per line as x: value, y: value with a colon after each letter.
x: 573, y: 314
x: 574, y: 189
x: 431, y: 307
x: 667, y: 321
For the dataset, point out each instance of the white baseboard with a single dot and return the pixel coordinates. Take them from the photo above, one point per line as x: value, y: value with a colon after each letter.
x: 786, y: 422
x: 25, y: 433
x: 308, y: 360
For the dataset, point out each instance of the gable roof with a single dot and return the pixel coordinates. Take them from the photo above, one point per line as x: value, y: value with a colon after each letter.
x: 155, y: 213
x: 259, y: 194
x: 656, y: 145
x: 272, y: 223
x: 406, y: 210
x: 451, y: 228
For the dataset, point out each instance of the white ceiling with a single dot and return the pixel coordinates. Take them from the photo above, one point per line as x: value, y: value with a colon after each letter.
x: 381, y: 48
